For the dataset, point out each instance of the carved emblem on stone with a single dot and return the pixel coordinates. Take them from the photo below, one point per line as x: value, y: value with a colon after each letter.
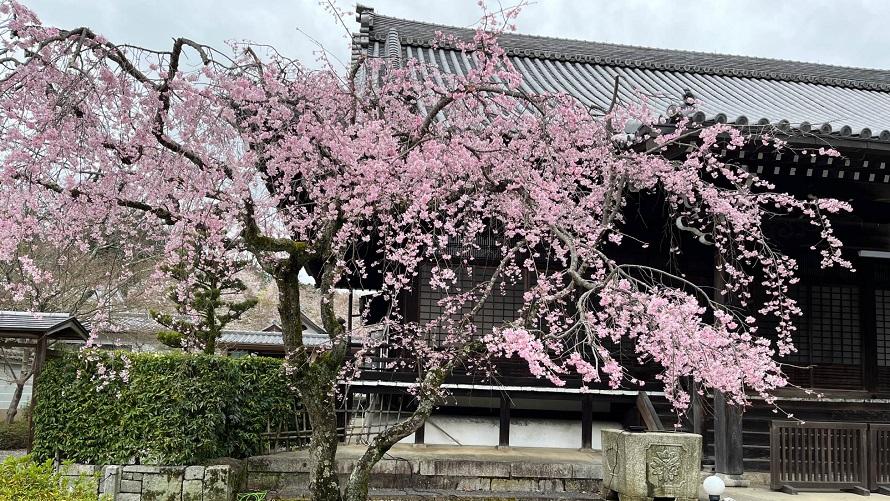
x: 663, y: 463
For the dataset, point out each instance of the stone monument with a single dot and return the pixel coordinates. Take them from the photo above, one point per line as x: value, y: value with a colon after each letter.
x: 640, y: 466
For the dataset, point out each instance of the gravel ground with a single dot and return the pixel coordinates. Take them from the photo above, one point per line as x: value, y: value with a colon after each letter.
x: 17, y: 452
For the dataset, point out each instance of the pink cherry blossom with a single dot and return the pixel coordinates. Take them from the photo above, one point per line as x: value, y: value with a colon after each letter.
x: 390, y: 168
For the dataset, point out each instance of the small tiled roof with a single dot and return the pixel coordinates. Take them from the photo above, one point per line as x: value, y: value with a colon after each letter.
x: 35, y: 324
x: 137, y: 322
x: 313, y: 334
x: 816, y: 98
x: 264, y: 338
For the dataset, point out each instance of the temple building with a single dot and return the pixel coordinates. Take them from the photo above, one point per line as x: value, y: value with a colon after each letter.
x: 843, y: 338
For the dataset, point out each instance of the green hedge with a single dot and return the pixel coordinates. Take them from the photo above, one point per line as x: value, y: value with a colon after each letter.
x: 174, y: 408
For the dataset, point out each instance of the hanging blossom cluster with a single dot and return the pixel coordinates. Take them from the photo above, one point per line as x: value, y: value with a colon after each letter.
x: 397, y: 173
x: 105, y: 370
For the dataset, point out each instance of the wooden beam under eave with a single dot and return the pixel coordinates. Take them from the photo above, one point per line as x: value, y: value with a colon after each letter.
x: 647, y: 412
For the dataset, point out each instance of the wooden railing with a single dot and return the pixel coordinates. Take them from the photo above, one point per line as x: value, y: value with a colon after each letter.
x: 359, y: 419
x: 825, y: 456
x: 879, y: 457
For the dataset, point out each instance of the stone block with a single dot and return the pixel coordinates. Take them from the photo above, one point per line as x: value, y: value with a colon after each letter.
x: 131, y: 486
x: 394, y: 481
x: 540, y: 470
x: 127, y: 475
x: 111, y: 480
x: 582, y: 485
x: 592, y: 471
x: 128, y: 497
x: 291, y: 485
x: 194, y: 473
x: 514, y: 484
x: 76, y: 470
x: 551, y: 485
x: 262, y: 481
x: 166, y: 485
x: 465, y: 468
x: 430, y: 482
x: 652, y: 464
x: 394, y: 467
x: 218, y: 483
x: 474, y: 484
x: 192, y: 490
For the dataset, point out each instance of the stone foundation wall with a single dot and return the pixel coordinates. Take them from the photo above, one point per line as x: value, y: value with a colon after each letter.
x: 161, y: 483
x: 288, y: 477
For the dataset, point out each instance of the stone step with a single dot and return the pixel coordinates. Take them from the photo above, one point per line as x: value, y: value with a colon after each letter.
x: 452, y: 495
x: 294, y: 485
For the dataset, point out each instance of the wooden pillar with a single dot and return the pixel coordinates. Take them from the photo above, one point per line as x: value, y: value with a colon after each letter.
x: 504, y: 428
x: 587, y: 421
x: 697, y: 424
x: 420, y: 434
x: 39, y: 360
x: 728, y: 446
x: 728, y: 450
x: 868, y: 346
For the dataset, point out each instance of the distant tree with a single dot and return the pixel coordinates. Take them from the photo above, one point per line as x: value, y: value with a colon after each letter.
x: 58, y: 276
x: 17, y: 368
x: 208, y: 294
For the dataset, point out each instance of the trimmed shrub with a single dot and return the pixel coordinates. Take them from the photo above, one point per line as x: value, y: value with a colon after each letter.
x: 14, y: 435
x: 117, y: 407
x: 21, y: 478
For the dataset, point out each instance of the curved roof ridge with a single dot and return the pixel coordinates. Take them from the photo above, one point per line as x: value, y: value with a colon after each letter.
x: 421, y: 33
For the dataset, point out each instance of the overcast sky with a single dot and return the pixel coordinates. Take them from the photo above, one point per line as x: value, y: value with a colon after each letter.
x: 847, y: 32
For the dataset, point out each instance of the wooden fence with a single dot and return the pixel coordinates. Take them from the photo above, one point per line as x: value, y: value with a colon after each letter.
x: 829, y: 456
x: 359, y: 419
x: 879, y: 457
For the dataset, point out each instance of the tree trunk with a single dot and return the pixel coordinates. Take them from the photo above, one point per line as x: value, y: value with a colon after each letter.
x: 13, y: 408
x: 324, y: 484
x: 26, y: 369
x: 357, y: 485
x: 210, y: 342
x: 315, y: 379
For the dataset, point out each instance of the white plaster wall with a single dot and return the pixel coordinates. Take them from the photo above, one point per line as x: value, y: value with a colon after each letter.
x: 461, y: 430
x: 6, y: 390
x: 481, y: 430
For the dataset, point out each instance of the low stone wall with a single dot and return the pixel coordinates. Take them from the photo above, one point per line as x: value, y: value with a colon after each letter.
x: 161, y: 483
x: 550, y: 473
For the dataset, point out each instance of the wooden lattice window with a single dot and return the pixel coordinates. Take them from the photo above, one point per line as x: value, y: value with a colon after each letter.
x: 882, y: 326
x: 506, y: 299
x: 830, y: 330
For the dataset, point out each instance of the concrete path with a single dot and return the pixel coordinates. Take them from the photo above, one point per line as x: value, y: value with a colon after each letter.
x: 765, y: 494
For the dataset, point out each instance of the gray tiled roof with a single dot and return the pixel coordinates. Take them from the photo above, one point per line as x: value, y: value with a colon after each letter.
x: 35, y: 323
x: 230, y: 337
x: 842, y: 101
x: 313, y: 335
